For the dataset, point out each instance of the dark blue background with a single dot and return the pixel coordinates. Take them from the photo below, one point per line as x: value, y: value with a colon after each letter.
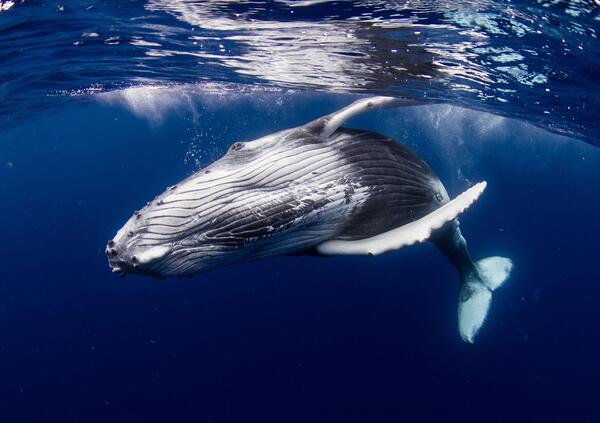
x: 292, y: 339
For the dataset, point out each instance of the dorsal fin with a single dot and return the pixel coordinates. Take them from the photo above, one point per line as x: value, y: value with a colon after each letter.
x: 327, y: 125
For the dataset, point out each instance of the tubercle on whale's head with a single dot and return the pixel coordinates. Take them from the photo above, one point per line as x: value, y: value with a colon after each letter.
x: 125, y: 258
x: 127, y: 253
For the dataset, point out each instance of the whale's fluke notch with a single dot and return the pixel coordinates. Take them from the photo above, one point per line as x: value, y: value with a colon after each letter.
x: 327, y: 125
x: 418, y: 231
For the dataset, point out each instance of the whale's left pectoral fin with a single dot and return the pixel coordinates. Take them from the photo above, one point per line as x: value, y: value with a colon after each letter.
x: 418, y: 231
x: 327, y: 125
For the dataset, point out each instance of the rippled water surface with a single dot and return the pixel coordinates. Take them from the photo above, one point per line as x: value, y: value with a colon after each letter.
x: 531, y: 60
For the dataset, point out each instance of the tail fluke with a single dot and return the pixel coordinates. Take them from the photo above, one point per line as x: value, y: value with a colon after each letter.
x: 476, y: 293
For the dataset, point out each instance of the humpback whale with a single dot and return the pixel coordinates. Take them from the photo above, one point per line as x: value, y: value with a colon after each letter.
x: 320, y: 189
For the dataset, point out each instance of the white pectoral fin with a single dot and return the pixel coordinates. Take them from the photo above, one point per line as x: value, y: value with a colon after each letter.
x: 327, y: 125
x: 418, y: 231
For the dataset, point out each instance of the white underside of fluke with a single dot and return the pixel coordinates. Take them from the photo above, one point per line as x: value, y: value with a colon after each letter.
x: 476, y: 294
x: 473, y: 311
x: 418, y: 231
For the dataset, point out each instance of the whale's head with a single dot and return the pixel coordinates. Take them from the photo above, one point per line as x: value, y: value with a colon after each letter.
x: 160, y: 242
x: 206, y: 221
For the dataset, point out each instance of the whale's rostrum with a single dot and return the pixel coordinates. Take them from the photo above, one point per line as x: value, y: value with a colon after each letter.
x: 321, y: 188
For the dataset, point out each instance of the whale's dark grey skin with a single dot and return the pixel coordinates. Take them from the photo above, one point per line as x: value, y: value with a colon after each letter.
x: 317, y: 189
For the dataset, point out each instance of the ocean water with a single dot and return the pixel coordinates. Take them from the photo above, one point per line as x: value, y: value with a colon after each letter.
x: 104, y: 104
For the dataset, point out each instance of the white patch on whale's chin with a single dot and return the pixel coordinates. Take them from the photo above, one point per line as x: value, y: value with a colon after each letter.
x: 151, y: 254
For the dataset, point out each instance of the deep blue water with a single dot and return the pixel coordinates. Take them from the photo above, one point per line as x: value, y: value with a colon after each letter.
x: 91, y: 131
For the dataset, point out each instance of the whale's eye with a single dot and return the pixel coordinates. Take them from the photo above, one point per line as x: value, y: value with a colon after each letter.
x: 236, y: 147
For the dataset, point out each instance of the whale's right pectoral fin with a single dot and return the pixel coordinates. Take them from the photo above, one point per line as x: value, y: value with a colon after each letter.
x: 418, y: 231
x: 327, y: 125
